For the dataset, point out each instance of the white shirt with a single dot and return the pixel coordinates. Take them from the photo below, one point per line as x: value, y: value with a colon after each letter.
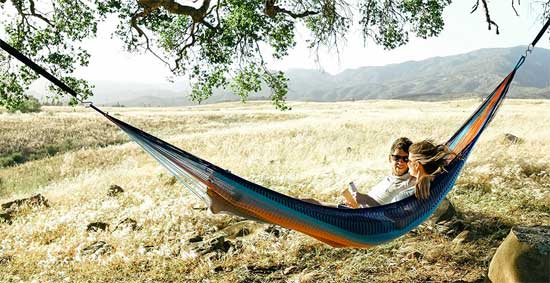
x: 404, y: 194
x: 393, y: 188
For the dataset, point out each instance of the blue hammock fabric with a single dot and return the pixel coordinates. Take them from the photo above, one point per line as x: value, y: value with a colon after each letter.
x: 338, y: 227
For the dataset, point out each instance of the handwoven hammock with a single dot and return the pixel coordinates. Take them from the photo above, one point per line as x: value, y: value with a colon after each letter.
x: 338, y: 227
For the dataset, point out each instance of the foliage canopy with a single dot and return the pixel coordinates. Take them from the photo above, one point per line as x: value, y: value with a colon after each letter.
x: 214, y: 43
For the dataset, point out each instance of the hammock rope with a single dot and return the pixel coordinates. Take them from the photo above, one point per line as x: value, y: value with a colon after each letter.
x: 337, y: 227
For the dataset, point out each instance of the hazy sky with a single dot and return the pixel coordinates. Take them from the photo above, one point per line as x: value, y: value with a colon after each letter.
x: 463, y: 32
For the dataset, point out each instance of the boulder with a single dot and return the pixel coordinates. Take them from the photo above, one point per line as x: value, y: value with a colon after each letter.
x: 414, y: 255
x: 114, y: 190
x: 97, y: 226
x: 274, y: 230
x: 445, y: 212
x: 97, y: 248
x: 5, y: 259
x: 523, y: 256
x: 511, y: 139
x: 241, y: 229
x: 290, y: 270
x: 463, y: 237
x: 127, y: 223
x: 34, y: 201
x: 451, y: 227
x: 195, y: 239
x: 6, y: 217
x: 216, y: 244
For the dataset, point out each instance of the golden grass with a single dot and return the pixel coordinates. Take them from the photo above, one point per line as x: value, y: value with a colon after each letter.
x: 312, y: 151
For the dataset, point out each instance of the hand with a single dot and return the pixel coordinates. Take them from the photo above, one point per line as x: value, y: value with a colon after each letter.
x: 350, y: 198
x: 423, y: 187
x: 364, y: 200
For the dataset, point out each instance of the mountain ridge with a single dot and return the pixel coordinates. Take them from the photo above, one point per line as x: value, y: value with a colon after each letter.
x: 472, y: 74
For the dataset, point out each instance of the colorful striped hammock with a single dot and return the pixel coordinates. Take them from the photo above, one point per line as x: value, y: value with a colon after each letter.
x: 338, y: 227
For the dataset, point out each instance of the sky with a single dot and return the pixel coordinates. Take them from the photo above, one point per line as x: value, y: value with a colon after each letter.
x: 464, y: 32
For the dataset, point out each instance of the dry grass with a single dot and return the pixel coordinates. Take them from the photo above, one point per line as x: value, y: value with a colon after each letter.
x: 311, y: 151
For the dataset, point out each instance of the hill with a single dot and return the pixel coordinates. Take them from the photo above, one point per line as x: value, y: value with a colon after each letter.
x: 472, y: 74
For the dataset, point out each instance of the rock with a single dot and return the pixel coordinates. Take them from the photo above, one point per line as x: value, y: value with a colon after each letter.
x: 289, y: 270
x: 437, y: 253
x: 523, y: 256
x: 127, y: 223
x: 217, y: 244
x: 6, y: 217
x: 511, y: 139
x: 463, y: 237
x: 114, y: 190
x: 97, y: 226
x: 490, y: 255
x: 5, y: 259
x: 273, y: 230
x: 97, y: 248
x: 195, y: 239
x: 34, y: 201
x: 450, y: 227
x: 146, y: 248
x: 241, y: 229
x: 445, y: 212
x: 414, y: 255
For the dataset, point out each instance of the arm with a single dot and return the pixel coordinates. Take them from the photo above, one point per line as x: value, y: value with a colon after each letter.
x: 423, y: 186
x: 365, y: 200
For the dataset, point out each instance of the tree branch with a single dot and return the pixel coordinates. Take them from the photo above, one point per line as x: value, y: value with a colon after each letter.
x: 487, y: 16
x: 271, y: 10
x: 33, y: 13
x: 513, y: 7
x: 19, y: 6
x: 197, y: 14
x: 184, y: 48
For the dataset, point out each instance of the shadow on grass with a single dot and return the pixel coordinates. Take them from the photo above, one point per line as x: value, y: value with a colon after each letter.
x: 486, y: 227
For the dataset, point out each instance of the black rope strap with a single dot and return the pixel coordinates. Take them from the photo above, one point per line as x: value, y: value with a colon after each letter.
x: 15, y: 53
x: 541, y: 33
x: 27, y: 61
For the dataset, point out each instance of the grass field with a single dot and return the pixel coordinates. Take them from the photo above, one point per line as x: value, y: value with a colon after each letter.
x: 72, y: 156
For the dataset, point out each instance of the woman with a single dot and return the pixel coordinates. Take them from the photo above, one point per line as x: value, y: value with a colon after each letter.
x: 426, y: 160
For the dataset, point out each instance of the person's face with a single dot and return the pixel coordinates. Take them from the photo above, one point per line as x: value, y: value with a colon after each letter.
x: 398, y: 162
x: 414, y: 168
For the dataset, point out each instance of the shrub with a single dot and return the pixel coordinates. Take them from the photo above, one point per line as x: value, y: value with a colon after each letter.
x: 28, y: 106
x: 12, y: 159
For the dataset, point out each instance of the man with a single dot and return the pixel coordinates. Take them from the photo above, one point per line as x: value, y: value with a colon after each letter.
x: 399, y: 181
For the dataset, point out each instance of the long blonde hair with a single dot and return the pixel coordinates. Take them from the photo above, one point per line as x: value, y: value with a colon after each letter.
x: 432, y: 157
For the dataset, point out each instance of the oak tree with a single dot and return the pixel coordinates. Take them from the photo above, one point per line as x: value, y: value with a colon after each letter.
x: 213, y: 43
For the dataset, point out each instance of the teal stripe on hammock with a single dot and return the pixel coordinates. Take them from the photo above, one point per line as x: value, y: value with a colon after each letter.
x: 175, y: 170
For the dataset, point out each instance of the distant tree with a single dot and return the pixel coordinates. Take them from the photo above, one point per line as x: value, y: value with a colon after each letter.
x: 214, y: 43
x: 29, y: 105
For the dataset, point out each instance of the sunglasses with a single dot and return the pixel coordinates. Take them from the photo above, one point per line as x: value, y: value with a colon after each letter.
x: 396, y: 158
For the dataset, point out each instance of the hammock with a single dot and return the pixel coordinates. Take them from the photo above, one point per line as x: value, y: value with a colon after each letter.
x: 338, y: 227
